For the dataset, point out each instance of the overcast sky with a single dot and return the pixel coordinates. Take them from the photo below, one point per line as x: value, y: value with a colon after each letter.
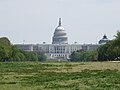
x: 34, y: 21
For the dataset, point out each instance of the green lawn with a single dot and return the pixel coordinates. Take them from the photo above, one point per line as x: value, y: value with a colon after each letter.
x: 60, y: 76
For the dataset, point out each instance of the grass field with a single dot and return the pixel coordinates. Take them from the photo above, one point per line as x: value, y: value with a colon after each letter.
x: 60, y: 76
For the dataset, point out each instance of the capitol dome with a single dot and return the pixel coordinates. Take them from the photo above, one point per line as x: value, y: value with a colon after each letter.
x: 60, y: 36
x: 60, y: 32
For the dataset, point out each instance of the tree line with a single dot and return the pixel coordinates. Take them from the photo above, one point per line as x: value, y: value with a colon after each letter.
x: 9, y: 52
x: 83, y: 55
x: 106, y: 52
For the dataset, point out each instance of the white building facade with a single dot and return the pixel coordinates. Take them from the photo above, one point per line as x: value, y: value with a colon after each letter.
x: 59, y: 49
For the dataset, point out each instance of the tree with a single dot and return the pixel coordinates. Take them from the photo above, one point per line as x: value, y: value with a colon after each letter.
x: 110, y: 50
x: 83, y: 56
x: 41, y: 56
x: 5, y: 49
x: 10, y: 52
x: 3, y: 53
x: 5, y: 41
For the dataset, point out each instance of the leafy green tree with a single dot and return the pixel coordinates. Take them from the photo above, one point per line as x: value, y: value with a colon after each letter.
x: 111, y: 50
x: 35, y: 56
x: 5, y: 41
x: 5, y: 49
x: 83, y: 56
x: 2, y: 52
x: 10, y: 52
x: 41, y: 56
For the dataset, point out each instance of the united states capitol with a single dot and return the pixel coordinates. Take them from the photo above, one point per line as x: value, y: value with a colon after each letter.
x: 60, y: 49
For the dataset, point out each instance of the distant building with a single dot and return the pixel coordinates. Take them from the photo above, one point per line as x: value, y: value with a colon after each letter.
x: 104, y: 40
x: 60, y: 36
x: 59, y: 49
x: 25, y: 47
